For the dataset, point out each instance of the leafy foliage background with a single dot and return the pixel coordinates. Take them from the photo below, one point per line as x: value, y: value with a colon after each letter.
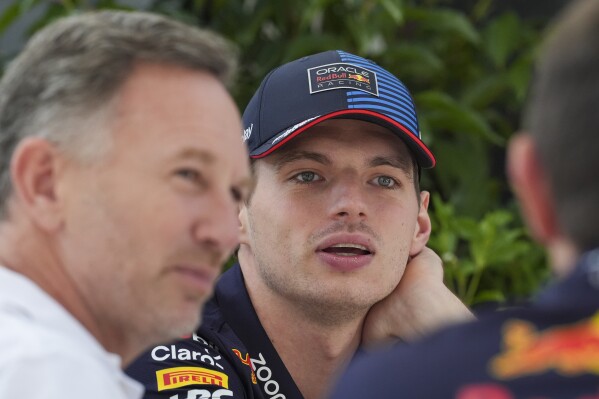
x: 468, y: 68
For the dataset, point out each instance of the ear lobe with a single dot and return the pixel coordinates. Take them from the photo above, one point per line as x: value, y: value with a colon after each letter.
x: 422, y: 230
x: 532, y: 188
x: 33, y: 175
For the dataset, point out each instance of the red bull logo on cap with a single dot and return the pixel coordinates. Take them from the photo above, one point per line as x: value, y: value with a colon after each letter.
x: 342, y: 75
x: 568, y: 350
x: 359, y: 77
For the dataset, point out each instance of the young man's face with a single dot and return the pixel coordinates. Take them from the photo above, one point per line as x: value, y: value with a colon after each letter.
x: 334, y: 216
x: 148, y: 226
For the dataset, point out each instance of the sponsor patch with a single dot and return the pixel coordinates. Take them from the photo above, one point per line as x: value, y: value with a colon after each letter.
x: 182, y: 376
x: 342, y: 75
x: 568, y: 350
x: 247, y: 361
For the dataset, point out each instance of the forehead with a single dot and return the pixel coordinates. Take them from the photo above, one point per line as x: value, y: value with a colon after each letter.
x: 336, y: 138
x: 165, y: 109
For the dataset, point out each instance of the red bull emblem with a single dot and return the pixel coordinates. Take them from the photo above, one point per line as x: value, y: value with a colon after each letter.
x: 247, y: 361
x: 359, y: 78
x: 182, y: 376
x: 569, y: 350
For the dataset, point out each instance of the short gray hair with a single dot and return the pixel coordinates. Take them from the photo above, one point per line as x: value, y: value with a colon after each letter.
x: 71, y: 70
x: 563, y: 119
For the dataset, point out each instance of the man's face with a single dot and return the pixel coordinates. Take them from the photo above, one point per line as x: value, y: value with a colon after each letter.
x: 148, y: 225
x: 334, y: 216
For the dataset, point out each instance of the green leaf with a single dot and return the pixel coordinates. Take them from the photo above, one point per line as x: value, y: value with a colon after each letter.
x: 310, y: 44
x: 443, y: 211
x: 394, y: 9
x: 417, y: 60
x: 312, y: 10
x: 484, y: 92
x: 482, y: 9
x: 444, y: 21
x: 488, y: 296
x: 502, y: 38
x: 456, y: 117
x: 467, y: 268
x: 53, y: 12
x: 10, y: 15
x: 466, y: 227
x: 519, y: 75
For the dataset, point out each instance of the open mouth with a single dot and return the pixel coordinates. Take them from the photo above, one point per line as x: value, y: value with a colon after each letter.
x: 346, y: 249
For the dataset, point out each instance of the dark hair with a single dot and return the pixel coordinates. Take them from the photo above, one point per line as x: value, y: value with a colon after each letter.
x: 563, y: 117
x: 67, y: 75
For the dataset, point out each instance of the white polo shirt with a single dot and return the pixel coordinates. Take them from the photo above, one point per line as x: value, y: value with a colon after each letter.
x: 46, y: 353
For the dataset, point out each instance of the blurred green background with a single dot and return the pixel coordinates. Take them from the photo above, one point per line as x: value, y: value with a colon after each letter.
x: 468, y: 64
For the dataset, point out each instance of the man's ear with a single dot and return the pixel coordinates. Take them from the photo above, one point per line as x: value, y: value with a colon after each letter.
x: 33, y: 170
x: 532, y: 188
x: 243, y: 224
x: 422, y: 231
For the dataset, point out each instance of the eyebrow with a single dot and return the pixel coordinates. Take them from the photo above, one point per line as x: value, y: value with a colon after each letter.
x: 292, y: 156
x: 401, y: 163
x: 200, y: 155
x: 208, y: 158
x: 395, y: 162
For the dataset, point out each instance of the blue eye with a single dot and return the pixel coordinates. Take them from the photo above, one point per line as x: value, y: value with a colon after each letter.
x: 385, y: 181
x: 307, y: 177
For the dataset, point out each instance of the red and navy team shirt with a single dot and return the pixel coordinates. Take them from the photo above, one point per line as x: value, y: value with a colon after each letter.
x: 230, y: 356
x: 547, y: 350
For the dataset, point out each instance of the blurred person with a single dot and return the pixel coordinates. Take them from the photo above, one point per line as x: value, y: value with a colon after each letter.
x: 334, y: 216
x: 121, y: 172
x: 549, y: 349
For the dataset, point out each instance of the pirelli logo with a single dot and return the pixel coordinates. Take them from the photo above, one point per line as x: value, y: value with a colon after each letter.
x: 181, y: 376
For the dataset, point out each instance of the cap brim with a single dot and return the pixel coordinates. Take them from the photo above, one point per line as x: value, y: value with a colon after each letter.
x: 424, y: 156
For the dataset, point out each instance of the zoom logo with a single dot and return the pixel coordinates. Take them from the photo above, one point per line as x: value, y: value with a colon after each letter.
x: 264, y: 374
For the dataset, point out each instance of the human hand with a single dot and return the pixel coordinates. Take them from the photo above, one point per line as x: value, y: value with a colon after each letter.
x: 420, y: 304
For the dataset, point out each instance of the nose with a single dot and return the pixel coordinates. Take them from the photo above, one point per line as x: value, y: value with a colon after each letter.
x: 217, y: 229
x: 348, y: 200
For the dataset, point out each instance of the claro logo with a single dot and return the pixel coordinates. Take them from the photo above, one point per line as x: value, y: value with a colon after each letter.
x: 162, y: 353
x: 181, y: 376
x: 264, y: 374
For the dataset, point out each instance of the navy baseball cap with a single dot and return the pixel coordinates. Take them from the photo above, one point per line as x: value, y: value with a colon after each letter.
x: 334, y: 84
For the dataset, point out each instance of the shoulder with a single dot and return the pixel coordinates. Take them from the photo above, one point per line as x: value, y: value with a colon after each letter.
x: 211, y: 362
x: 483, y: 356
x: 420, y: 369
x: 43, y: 364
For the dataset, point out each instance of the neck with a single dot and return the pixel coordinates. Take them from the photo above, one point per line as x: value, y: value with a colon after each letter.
x: 28, y: 251
x: 563, y: 255
x: 312, y: 354
x: 312, y: 348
